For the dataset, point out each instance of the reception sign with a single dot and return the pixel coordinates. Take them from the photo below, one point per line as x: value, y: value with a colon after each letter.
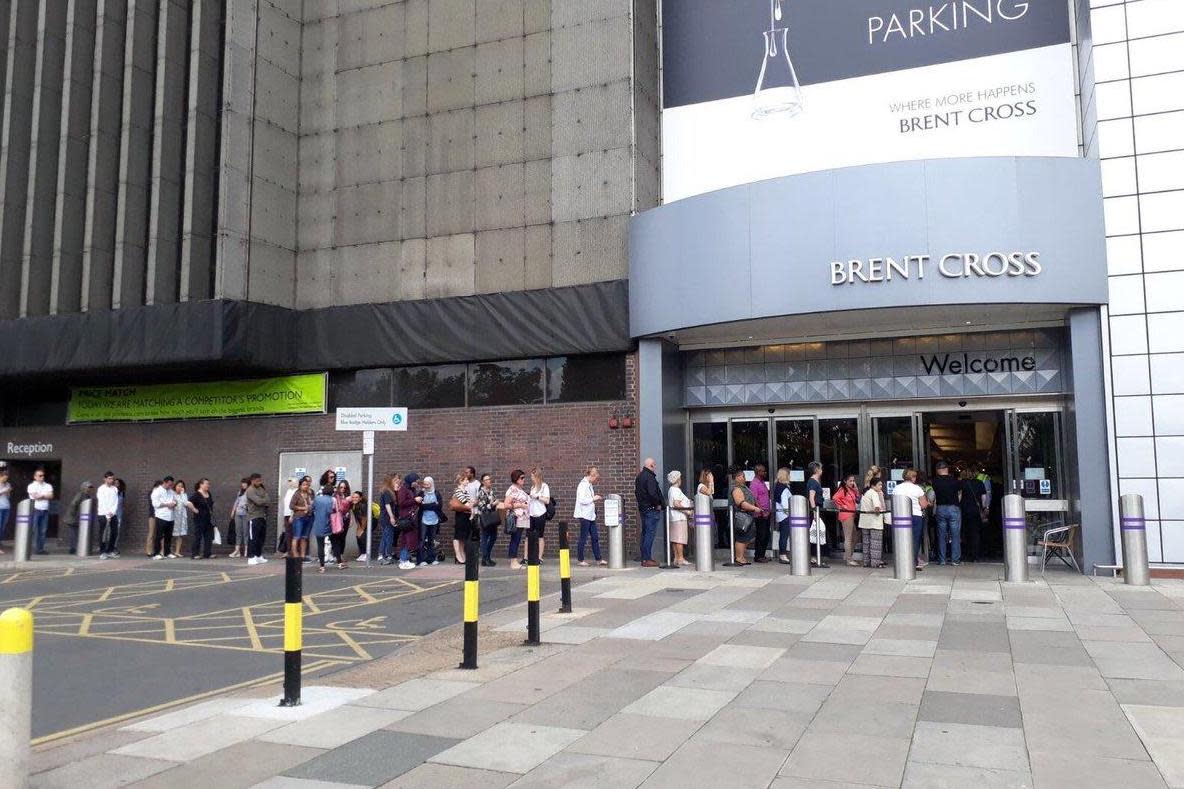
x: 290, y: 394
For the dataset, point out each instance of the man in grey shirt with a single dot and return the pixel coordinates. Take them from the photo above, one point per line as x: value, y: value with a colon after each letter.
x: 257, y: 504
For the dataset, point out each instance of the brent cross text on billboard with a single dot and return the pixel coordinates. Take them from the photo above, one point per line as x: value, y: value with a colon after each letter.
x: 756, y: 89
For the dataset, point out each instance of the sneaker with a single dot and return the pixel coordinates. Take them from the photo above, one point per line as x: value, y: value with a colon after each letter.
x: 252, y: 561
x: 602, y: 563
x: 422, y: 564
x: 437, y: 561
x: 262, y: 559
x: 172, y: 556
x: 157, y: 557
x: 491, y: 563
x: 582, y: 563
x: 113, y: 555
x: 956, y: 564
x: 408, y: 565
x: 102, y: 556
x: 363, y: 558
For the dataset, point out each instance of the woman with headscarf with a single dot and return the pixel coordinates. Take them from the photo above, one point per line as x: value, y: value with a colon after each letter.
x: 678, y: 505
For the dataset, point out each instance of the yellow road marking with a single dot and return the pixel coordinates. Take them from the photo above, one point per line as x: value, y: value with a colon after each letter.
x: 249, y: 621
x: 252, y: 683
x: 362, y: 593
x: 106, y: 595
x: 84, y: 628
x: 354, y: 645
x: 170, y: 632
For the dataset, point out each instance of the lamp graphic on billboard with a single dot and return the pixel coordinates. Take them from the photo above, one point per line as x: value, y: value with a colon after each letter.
x: 777, y: 89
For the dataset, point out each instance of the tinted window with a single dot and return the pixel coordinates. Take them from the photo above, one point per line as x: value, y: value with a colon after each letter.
x: 573, y: 379
x: 440, y: 386
x: 360, y: 389
x: 506, y: 383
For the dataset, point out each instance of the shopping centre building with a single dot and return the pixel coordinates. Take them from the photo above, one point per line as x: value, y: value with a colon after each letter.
x: 563, y: 233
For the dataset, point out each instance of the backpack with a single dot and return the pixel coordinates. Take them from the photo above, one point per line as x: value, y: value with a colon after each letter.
x: 549, y: 512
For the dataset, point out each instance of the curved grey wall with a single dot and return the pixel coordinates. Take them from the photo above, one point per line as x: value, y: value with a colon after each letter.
x: 765, y: 249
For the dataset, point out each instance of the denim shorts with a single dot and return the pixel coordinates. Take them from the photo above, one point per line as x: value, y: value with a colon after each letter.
x: 301, y: 527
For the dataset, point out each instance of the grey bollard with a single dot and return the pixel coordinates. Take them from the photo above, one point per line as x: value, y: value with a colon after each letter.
x: 616, y: 536
x: 1135, y: 571
x: 704, y: 534
x: 904, y: 553
x: 1015, y: 539
x: 16, y: 696
x: 20, y: 534
x: 86, y: 517
x: 799, y: 535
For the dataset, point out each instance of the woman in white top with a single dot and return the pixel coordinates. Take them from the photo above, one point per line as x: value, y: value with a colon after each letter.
x: 540, y: 497
x: 871, y: 522
x: 916, y: 497
x: 180, y: 519
x: 678, y: 507
x: 517, y: 501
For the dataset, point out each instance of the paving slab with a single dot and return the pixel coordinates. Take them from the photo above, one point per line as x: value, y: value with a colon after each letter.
x: 762, y: 638
x: 883, y: 719
x: 802, y: 699
x: 1133, y: 661
x: 509, y: 747
x: 47, y: 758
x: 764, y: 728
x: 372, y: 760
x: 735, y: 656
x: 416, y: 694
x: 459, y: 717
x: 590, y: 702
x: 699, y: 763
x: 314, y: 699
x: 1148, y: 691
x: 237, y: 767
x: 1162, y: 731
x: 918, y: 775
x: 872, y: 760
x: 682, y: 703
x: 902, y: 647
x: 636, y: 737
x: 587, y: 771
x: 434, y: 776
x: 284, y: 782
x: 188, y: 715
x: 100, y: 771
x: 654, y: 626
x: 967, y: 745
x: 818, y: 672
x: 976, y: 708
x: 891, y: 666
x: 336, y: 727
x: 203, y: 737
x: 1054, y: 770
x: 708, y: 677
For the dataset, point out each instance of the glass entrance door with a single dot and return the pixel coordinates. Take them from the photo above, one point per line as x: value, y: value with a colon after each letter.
x: 795, y: 449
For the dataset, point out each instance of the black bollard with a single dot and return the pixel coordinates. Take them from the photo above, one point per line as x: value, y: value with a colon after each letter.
x: 469, y: 658
x: 293, y: 630
x: 532, y: 588
x: 564, y: 571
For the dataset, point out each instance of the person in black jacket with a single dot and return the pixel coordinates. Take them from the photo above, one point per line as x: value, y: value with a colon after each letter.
x: 649, y: 504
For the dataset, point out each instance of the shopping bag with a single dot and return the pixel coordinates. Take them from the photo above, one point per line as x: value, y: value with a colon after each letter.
x: 817, y: 531
x: 217, y: 536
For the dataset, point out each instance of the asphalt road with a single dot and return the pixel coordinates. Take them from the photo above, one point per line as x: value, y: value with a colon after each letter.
x: 124, y: 637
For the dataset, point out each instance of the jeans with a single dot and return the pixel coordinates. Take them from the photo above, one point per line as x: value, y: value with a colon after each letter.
x: 649, y: 527
x: 949, y: 525
x: 588, y: 531
x: 258, y: 532
x: 427, y: 542
x: 40, y: 527
x: 3, y: 520
x: 488, y: 539
x: 108, y: 533
x: 386, y: 544
x: 918, y: 533
x: 241, y: 531
x: 515, y: 541
x: 783, y: 536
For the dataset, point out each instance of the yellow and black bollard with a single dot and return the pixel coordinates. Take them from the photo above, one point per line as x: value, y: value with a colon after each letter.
x: 469, y: 658
x: 532, y: 589
x: 293, y: 630
x: 564, y: 571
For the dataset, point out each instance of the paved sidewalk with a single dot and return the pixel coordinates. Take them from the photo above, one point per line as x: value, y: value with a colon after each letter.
x: 733, y: 679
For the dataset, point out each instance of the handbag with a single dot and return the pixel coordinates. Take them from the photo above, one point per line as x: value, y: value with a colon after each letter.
x: 549, y: 512
x: 488, y: 519
x: 511, y: 523
x: 336, y: 523
x: 742, y: 520
x: 217, y: 537
x: 405, y: 524
x: 230, y: 532
x: 817, y: 531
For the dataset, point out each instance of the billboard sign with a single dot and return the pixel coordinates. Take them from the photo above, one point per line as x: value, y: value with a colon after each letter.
x: 289, y: 394
x: 757, y: 89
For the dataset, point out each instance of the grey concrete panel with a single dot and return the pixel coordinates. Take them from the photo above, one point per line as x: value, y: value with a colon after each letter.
x: 591, y: 53
x: 451, y: 266
x: 279, y: 37
x: 451, y: 24
x: 316, y: 224
x: 536, y: 16
x: 370, y: 153
x: 271, y: 274
x: 415, y: 21
x: 1088, y: 433
x: 450, y: 203
x: 73, y: 145
x: 591, y: 250
x: 538, y: 256
x: 452, y: 79
x: 537, y: 132
x: 313, y: 277
x: 595, y: 118
x: 498, y: 19
x: 501, y: 260
x: 277, y: 96
x: 500, y: 138
x: 135, y: 154
x: 413, y: 208
x: 566, y: 14
x: 415, y: 86
x: 536, y: 57
x: 368, y: 213
x: 21, y: 64
x: 369, y: 95
x: 371, y: 36
x: 592, y: 185
x: 413, y: 261
x: 500, y: 197
x: 537, y: 197
x: 367, y: 273
x: 318, y: 50
x: 318, y: 162
x: 276, y: 155
x: 499, y: 71
x: 451, y: 141
x: 415, y: 146
x: 45, y: 141
x: 1050, y: 206
x: 168, y: 154
x: 273, y: 214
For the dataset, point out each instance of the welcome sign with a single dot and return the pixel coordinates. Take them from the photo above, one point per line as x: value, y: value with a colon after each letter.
x: 756, y: 89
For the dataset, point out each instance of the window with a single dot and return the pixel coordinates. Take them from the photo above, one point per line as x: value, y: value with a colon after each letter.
x: 360, y: 389
x: 575, y: 379
x: 440, y: 386
x: 506, y: 383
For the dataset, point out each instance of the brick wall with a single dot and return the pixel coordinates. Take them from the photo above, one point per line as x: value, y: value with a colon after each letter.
x: 562, y: 439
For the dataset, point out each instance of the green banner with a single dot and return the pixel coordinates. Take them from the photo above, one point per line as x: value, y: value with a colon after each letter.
x: 291, y: 394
